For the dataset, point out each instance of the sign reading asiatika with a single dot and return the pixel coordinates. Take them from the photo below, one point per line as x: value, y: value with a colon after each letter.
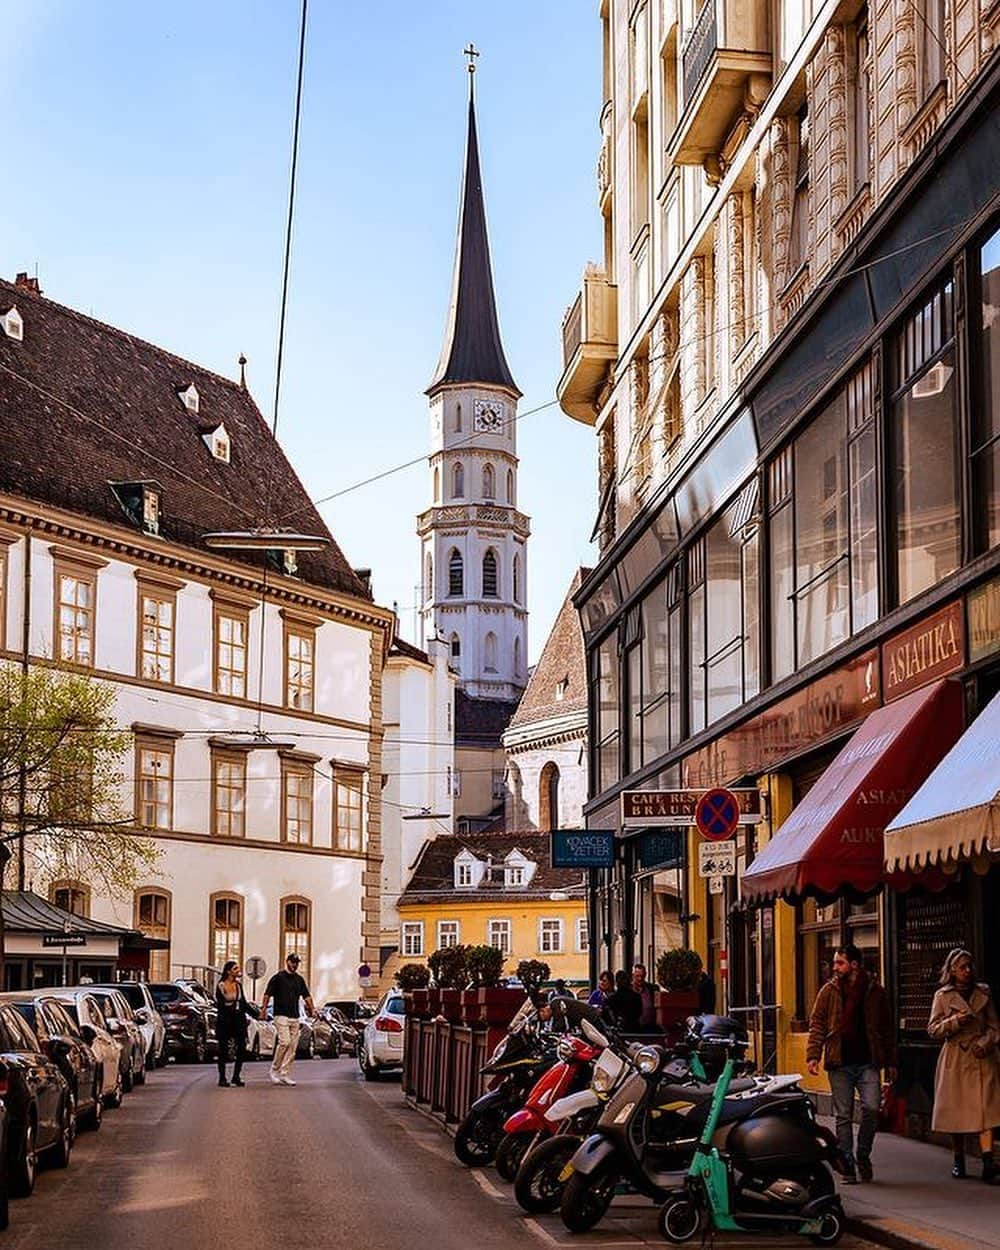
x: 583, y: 848
x: 643, y: 809
x: 821, y: 710
x: 932, y: 648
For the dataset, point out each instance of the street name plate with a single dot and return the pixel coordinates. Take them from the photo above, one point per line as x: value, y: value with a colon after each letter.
x: 64, y: 939
x: 642, y: 809
x: 717, y: 859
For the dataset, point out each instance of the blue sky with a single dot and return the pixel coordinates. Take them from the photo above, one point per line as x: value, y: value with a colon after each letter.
x: 146, y: 151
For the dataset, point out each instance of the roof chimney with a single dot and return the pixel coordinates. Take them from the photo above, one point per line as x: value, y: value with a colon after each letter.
x: 27, y: 283
x: 365, y: 577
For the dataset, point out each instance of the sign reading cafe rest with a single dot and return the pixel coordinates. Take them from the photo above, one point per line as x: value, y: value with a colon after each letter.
x: 583, y: 848
x: 644, y: 808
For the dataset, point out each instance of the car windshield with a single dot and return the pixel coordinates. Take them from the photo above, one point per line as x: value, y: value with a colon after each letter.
x: 197, y: 991
x: 27, y: 1012
x: 131, y: 993
x: 71, y: 1009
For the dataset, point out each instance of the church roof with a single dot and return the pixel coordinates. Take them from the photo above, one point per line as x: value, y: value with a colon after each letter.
x: 481, y: 722
x: 472, y: 350
x: 558, y: 682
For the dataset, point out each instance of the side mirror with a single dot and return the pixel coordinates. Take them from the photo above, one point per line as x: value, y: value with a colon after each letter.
x: 89, y: 1033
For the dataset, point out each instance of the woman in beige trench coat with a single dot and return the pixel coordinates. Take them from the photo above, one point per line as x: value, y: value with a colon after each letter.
x: 967, y: 1082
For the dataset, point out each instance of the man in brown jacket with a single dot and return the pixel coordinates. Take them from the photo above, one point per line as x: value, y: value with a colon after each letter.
x: 851, y: 1030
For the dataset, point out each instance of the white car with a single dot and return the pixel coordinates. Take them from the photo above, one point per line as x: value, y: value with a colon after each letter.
x: 261, y: 1036
x: 381, y: 1045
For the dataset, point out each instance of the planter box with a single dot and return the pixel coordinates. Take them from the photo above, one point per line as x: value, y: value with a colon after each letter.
x: 674, y: 1006
x: 499, y: 1006
x: 451, y: 1005
x: 433, y: 1001
x: 471, y: 1012
x: 416, y: 1002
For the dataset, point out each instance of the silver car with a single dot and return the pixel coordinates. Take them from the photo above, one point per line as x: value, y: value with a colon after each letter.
x: 149, y: 1020
x: 82, y: 1007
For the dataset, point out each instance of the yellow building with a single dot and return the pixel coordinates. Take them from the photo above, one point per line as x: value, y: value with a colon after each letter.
x: 496, y: 889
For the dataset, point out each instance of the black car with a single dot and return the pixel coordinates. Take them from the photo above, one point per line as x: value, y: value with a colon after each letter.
x: 41, y: 1110
x: 345, y: 1033
x: 59, y: 1037
x: 357, y: 1013
x: 189, y: 1018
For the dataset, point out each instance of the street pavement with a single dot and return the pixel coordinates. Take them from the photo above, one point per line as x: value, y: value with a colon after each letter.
x: 333, y: 1162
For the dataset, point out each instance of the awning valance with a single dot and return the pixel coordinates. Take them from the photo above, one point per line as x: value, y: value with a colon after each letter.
x: 833, y: 840
x: 955, y: 814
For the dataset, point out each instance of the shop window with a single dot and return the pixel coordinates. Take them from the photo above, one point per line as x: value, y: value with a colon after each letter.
x: 823, y: 500
x: 71, y: 896
x: 347, y: 810
x: 822, y: 928
x: 296, y: 924
x: 152, y: 918
x: 986, y: 413
x: 226, y: 937
x: 607, y: 713
x: 925, y: 442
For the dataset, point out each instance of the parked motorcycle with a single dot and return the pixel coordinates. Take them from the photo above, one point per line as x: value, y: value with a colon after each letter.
x: 773, y: 1174
x: 650, y: 1125
x: 528, y: 1124
x: 518, y: 1060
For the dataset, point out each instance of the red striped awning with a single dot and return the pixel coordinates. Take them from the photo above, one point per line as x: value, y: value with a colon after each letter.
x: 833, y: 840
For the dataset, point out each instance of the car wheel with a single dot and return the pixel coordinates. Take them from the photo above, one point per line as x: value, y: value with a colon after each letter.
x: 24, y: 1162
x: 333, y: 1050
x: 63, y: 1148
x: 95, y: 1116
x: 140, y: 1077
x: 128, y: 1079
x: 369, y: 1069
x: 114, y: 1099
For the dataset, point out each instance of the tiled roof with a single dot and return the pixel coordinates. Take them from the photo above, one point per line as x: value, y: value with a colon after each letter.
x: 26, y: 912
x: 401, y: 647
x: 481, y: 722
x: 562, y: 660
x: 434, y: 873
x: 83, y: 404
x: 472, y: 350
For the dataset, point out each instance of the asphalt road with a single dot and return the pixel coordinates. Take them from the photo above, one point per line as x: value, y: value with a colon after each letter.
x: 334, y: 1162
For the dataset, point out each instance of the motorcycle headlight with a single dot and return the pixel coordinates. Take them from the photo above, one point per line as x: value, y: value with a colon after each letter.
x: 647, y: 1059
x: 601, y: 1081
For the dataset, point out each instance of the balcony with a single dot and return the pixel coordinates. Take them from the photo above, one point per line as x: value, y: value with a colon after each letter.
x: 590, y: 345
x: 726, y: 65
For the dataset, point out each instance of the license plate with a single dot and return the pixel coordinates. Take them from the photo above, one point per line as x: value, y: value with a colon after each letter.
x: 566, y: 1173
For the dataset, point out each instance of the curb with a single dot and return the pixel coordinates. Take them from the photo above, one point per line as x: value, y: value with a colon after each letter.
x: 902, y: 1235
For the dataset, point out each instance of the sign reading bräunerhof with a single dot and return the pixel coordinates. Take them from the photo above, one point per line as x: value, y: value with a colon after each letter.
x: 643, y: 809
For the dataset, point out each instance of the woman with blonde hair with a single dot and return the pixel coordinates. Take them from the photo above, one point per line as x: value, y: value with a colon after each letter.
x: 967, y: 1081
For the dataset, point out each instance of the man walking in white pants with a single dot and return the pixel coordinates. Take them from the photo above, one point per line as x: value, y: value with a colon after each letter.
x: 287, y: 989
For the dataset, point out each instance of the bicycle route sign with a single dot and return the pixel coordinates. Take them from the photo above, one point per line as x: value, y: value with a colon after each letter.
x: 717, y: 814
x: 717, y: 859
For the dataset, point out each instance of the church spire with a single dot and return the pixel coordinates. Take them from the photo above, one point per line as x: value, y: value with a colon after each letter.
x: 472, y: 350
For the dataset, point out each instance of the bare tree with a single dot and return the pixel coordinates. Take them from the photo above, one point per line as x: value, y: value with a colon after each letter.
x: 62, y: 783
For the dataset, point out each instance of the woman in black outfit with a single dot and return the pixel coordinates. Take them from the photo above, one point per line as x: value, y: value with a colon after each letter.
x: 231, y: 1026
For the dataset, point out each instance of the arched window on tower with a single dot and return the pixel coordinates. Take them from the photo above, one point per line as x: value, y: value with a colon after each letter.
x: 458, y: 418
x: 491, y: 585
x: 517, y: 657
x: 458, y: 482
x: 456, y: 651
x: 437, y: 485
x: 429, y: 577
x: 456, y: 575
x: 489, y: 482
x: 517, y: 579
x: 548, y: 797
x: 490, y: 653
x: 510, y: 486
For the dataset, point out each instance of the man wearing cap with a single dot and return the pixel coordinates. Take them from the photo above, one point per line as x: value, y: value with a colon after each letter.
x: 287, y: 989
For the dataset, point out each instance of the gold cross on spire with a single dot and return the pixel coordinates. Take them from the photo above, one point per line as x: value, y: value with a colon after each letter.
x: 471, y: 52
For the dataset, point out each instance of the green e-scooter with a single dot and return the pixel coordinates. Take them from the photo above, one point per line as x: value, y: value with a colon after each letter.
x: 772, y: 1175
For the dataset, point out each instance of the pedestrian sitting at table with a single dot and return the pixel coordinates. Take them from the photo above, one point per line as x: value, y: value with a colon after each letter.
x: 967, y: 1080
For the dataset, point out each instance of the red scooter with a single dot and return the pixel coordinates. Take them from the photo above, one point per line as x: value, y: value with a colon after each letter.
x: 528, y: 1125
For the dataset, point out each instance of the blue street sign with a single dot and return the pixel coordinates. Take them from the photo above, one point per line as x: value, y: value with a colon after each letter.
x: 665, y: 848
x: 583, y: 848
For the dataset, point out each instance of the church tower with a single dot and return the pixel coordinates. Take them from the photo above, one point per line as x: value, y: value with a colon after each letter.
x: 473, y: 539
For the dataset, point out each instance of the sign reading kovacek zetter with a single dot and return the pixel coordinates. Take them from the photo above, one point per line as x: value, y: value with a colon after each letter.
x: 582, y: 848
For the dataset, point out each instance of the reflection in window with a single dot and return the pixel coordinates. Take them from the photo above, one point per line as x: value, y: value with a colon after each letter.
x: 608, y: 694
x: 925, y: 440
x: 986, y: 414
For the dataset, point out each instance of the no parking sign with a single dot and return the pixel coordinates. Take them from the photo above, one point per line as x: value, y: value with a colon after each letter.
x: 717, y: 814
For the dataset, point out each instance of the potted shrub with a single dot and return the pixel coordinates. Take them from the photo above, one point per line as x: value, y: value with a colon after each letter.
x: 532, y: 973
x: 413, y: 980
x: 679, y: 972
x: 497, y: 1005
x: 450, y: 967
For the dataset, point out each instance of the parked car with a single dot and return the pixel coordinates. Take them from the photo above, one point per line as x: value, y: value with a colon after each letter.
x: 190, y: 1023
x: 325, y: 1039
x: 124, y: 1028
x: 355, y: 1012
x: 149, y: 1020
x: 346, y: 1033
x: 41, y: 1113
x: 261, y: 1034
x: 60, y: 1039
x: 306, y: 1048
x: 381, y: 1047
x: 83, y: 1010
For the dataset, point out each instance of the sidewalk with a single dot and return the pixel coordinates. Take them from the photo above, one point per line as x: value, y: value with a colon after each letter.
x: 915, y: 1203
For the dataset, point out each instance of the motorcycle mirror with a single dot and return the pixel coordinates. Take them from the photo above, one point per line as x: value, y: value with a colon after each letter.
x: 593, y: 1034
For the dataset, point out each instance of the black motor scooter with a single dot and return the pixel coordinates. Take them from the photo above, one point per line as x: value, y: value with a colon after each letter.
x: 650, y: 1126
x: 518, y: 1060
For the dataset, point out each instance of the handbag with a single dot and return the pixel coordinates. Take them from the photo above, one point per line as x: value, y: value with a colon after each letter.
x: 891, y: 1110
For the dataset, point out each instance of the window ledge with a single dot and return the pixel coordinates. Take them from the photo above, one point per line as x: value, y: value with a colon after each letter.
x: 918, y: 130
x: 850, y: 221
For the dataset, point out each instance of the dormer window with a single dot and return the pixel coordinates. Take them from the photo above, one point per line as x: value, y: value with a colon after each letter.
x: 517, y: 871
x: 190, y: 398
x: 219, y: 443
x: 468, y: 870
x: 142, y: 503
x: 561, y: 689
x: 513, y: 875
x: 463, y: 874
x: 13, y: 325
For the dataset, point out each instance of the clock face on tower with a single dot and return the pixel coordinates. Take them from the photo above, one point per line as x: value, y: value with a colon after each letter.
x: 490, y: 415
